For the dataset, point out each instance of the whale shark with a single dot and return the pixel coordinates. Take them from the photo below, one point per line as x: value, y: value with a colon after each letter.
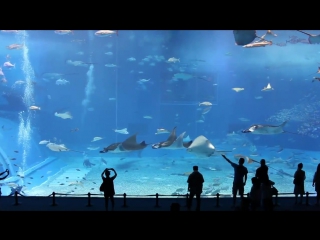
x: 265, y: 129
x: 202, y: 147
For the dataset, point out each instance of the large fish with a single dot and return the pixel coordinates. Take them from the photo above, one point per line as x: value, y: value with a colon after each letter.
x: 64, y: 115
x: 114, y: 147
x: 202, y: 147
x: 122, y: 131
x: 170, y: 140
x: 162, y: 131
x: 244, y: 37
x: 176, y: 144
x: 105, y: 33
x: 60, y: 148
x: 265, y: 129
x: 53, y: 76
x: 183, y: 76
x: 128, y: 145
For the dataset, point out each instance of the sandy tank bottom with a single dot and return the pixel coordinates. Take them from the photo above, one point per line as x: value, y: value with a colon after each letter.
x: 151, y: 175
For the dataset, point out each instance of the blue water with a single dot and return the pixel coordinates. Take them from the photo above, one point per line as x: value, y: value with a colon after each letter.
x: 140, y: 82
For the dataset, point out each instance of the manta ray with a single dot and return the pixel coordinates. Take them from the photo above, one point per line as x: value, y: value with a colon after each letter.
x: 265, y: 129
x: 176, y: 144
x: 128, y: 145
x: 244, y: 37
x: 202, y: 147
x: 114, y: 147
x: 170, y: 140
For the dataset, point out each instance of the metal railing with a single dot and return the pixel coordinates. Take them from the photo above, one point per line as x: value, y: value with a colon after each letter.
x: 157, y: 195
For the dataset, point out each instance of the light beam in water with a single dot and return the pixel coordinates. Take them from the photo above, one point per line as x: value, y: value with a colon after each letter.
x: 89, y: 89
x: 24, y: 134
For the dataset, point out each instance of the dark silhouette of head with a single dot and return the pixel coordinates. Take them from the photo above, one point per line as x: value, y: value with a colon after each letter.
x: 107, y: 173
x: 300, y: 166
x: 241, y: 161
x: 195, y: 168
x: 263, y: 162
x: 318, y: 168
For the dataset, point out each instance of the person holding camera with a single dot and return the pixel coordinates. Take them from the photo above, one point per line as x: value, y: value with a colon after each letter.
x: 7, y: 172
x: 107, y: 186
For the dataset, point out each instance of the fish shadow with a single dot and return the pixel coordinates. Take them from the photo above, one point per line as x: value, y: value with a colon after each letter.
x: 126, y: 165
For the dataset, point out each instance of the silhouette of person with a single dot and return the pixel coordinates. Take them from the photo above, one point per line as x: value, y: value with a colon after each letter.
x: 263, y: 178
x: 299, y: 177
x: 239, y: 179
x: 262, y: 173
x: 316, y: 183
x: 108, y: 189
x: 267, y: 196
x: 6, y: 171
x: 195, y: 184
x: 255, y: 194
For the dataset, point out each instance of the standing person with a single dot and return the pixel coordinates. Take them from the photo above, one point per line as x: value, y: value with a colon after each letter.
x: 316, y: 183
x: 195, y: 184
x: 262, y: 172
x: 108, y: 186
x: 298, y: 181
x: 263, y: 179
x: 239, y: 179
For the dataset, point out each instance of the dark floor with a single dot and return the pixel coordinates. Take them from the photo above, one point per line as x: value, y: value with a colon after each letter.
x: 137, y: 204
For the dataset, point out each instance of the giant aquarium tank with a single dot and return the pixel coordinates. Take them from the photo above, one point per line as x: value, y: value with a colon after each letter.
x: 151, y: 104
